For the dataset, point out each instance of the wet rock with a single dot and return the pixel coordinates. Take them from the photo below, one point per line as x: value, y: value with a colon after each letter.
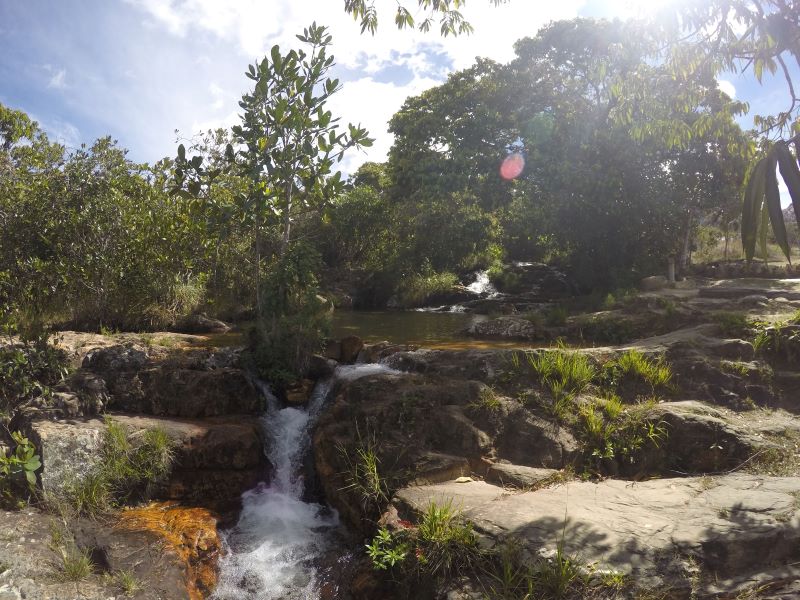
x: 320, y: 367
x: 299, y: 393
x: 373, y: 353
x: 351, y: 346
x: 480, y: 365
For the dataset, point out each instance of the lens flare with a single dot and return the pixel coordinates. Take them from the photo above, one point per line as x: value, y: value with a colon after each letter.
x: 512, y: 166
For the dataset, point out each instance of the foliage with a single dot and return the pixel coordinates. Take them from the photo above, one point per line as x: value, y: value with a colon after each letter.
x: 566, y: 371
x: 732, y: 324
x: 363, y: 475
x: 440, y: 547
x: 27, y: 372
x: 295, y: 317
x: 127, y: 582
x: 451, y: 21
x: 611, y: 432
x: 634, y: 368
x: 415, y: 289
x: 129, y: 463
x: 21, y: 464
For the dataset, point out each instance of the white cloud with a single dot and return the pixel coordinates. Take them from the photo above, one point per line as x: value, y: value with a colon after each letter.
x: 58, y: 79
x: 727, y: 87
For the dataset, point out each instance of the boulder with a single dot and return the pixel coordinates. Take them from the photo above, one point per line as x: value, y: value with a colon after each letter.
x: 200, y: 323
x: 531, y: 441
x: 299, y: 393
x: 653, y: 283
x: 351, y: 345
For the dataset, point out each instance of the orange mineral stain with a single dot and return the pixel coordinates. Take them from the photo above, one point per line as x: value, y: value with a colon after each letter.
x: 190, y: 532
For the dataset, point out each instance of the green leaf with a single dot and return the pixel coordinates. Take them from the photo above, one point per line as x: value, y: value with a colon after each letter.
x: 751, y: 208
x: 791, y: 175
x: 763, y: 228
x: 773, y: 203
x: 181, y: 152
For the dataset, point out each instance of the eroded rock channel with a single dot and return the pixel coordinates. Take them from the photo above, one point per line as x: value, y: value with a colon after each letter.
x: 662, y: 466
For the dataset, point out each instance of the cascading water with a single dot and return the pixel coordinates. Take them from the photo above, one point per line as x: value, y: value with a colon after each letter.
x: 482, y: 285
x: 274, y: 549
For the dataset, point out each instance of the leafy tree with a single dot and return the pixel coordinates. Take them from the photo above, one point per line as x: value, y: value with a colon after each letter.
x: 451, y: 21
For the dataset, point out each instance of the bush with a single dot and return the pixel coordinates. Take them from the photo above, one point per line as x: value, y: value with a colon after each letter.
x: 414, y: 290
x: 18, y: 469
x: 732, y: 324
x: 27, y: 370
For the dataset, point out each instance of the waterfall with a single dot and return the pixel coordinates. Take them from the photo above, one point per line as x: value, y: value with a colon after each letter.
x: 482, y: 285
x: 274, y: 548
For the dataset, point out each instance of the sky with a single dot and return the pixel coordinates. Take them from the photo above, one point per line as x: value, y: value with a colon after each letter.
x: 138, y: 70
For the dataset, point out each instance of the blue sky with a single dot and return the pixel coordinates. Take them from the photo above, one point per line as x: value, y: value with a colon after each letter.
x: 140, y: 69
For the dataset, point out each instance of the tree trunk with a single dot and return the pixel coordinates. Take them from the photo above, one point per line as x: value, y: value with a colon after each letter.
x: 687, y: 242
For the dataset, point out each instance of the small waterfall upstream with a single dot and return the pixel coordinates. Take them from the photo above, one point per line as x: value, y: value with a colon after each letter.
x: 274, y: 549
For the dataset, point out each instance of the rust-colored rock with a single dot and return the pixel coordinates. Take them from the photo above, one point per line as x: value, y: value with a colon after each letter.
x: 351, y: 346
x: 189, y: 532
x: 299, y: 393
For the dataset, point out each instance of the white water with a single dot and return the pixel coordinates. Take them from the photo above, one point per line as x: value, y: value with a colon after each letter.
x: 482, y: 285
x: 273, y: 550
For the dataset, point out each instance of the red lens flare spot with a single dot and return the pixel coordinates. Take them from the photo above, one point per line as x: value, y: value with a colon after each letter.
x: 512, y: 166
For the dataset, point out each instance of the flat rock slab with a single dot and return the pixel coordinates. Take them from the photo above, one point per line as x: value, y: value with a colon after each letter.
x: 730, y: 525
x: 30, y: 567
x: 517, y: 475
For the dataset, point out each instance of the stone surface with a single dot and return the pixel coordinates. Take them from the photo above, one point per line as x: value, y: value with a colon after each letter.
x: 529, y: 440
x: 505, y: 474
x: 507, y: 327
x: 731, y: 525
x: 351, y: 345
x: 201, y: 324
x: 653, y: 283
x: 215, y: 459
x: 31, y: 563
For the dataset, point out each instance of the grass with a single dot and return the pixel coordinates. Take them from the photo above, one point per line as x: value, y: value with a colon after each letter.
x: 781, y: 460
x: 635, y: 367
x: 735, y: 367
x: 567, y: 372
x: 732, y: 324
x: 556, y: 316
x: 363, y: 476
x: 75, y: 565
x: 487, y: 400
x: 130, y: 462
x: 127, y: 582
x: 415, y: 289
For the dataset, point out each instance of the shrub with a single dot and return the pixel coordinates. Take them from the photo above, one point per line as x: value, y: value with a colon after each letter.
x: 441, y: 546
x: 732, y: 324
x: 18, y: 469
x: 414, y: 290
x: 27, y: 371
x: 556, y: 316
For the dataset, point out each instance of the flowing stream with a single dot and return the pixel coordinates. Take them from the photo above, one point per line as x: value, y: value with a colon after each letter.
x: 274, y: 550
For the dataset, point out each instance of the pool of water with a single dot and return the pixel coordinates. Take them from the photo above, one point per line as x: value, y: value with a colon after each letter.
x: 441, y: 330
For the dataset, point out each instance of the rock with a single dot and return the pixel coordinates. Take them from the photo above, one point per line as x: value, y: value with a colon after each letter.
x: 333, y: 350
x: 320, y: 367
x: 531, y: 441
x: 114, y: 359
x: 186, y: 393
x: 434, y: 467
x: 653, y: 283
x: 373, y: 353
x: 215, y: 459
x: 200, y: 323
x: 68, y: 450
x: 480, y: 365
x: 29, y: 555
x: 507, y: 327
x: 518, y: 475
x: 351, y: 346
x: 731, y: 525
x: 754, y: 301
x: 299, y: 393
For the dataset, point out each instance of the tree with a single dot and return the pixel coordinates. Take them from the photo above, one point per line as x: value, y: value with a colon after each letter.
x: 285, y: 150
x: 451, y: 21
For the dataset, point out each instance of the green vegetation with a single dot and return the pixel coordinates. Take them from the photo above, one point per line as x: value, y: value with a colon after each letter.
x: 18, y: 469
x: 363, y: 475
x: 611, y: 431
x: 129, y: 463
x: 127, y: 582
x: 732, y: 324
x: 416, y: 289
x: 633, y: 368
x: 441, y: 546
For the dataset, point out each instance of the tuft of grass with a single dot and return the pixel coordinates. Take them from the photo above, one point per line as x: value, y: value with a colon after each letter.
x: 363, y: 476
x: 570, y: 372
x: 127, y: 582
x: 487, y: 400
x: 732, y: 324
x: 76, y: 565
x: 130, y: 463
x: 634, y: 366
x: 734, y: 367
